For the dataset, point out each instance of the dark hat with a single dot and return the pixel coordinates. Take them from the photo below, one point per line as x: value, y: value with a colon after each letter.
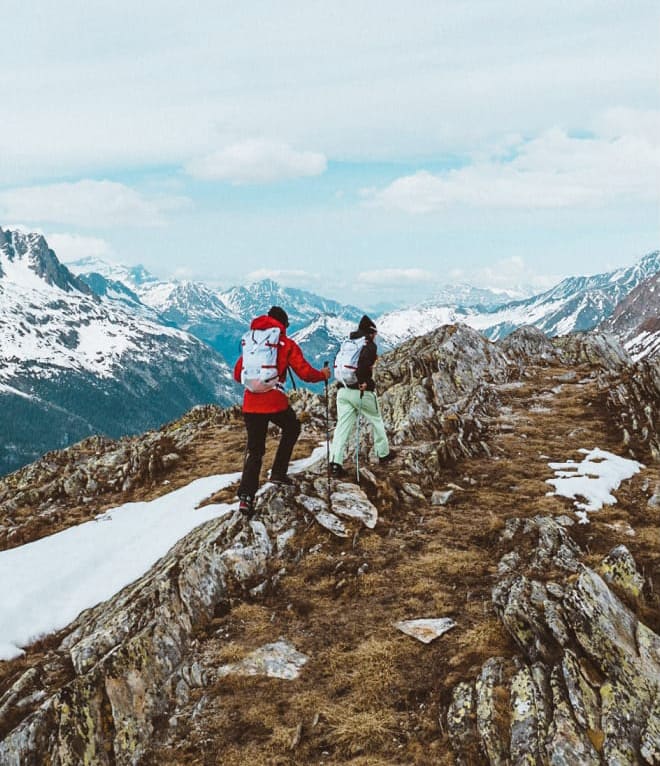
x: 280, y: 314
x: 367, y: 325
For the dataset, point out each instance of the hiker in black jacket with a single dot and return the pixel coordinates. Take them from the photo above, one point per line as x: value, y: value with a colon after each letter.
x: 357, y: 396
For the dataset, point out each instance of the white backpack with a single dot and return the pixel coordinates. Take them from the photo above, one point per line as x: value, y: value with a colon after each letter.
x: 346, y: 361
x: 259, y: 371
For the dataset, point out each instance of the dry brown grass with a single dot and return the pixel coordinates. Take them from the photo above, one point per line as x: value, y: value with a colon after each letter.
x: 369, y: 695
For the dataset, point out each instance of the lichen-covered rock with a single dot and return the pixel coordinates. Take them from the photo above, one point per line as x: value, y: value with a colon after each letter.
x: 586, y: 691
x: 633, y: 401
x: 433, y: 386
x: 128, y: 654
x: 581, y: 694
x: 492, y: 699
x: 619, y: 570
x: 650, y: 740
x: 462, y: 725
x: 567, y: 744
x: 529, y: 343
x: 593, y: 348
x: 527, y: 723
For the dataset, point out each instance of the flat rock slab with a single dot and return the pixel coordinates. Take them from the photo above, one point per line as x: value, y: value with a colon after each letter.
x: 351, y: 502
x: 277, y: 660
x: 332, y: 523
x: 426, y: 630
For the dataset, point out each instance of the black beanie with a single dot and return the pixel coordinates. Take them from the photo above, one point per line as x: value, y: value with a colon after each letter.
x: 366, y: 326
x: 280, y: 314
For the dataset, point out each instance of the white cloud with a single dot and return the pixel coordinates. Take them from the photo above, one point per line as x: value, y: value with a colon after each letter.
x: 429, y: 77
x: 395, y: 277
x: 73, y: 247
x: 257, y: 161
x: 553, y: 170
x: 87, y: 203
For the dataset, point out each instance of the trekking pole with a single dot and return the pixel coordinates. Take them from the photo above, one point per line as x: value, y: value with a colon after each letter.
x: 293, y: 380
x: 357, y: 440
x: 327, y: 437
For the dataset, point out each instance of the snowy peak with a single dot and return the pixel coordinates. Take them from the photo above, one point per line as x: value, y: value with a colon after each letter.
x: 576, y: 304
x: 76, y: 361
x: 465, y: 295
x: 301, y: 306
x: 133, y: 277
x: 186, y: 302
x: 636, y: 320
x: 321, y: 338
x: 26, y: 260
x: 642, y: 303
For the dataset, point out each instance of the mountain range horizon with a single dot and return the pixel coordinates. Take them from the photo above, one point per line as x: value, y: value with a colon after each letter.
x: 95, y: 347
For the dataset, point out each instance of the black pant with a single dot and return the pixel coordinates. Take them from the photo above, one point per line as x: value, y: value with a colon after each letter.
x: 257, y: 428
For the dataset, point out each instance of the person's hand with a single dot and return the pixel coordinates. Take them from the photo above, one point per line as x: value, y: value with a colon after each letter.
x: 362, y: 386
x: 326, y: 372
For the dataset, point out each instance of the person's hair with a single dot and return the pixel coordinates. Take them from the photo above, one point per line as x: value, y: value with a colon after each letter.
x: 367, y: 326
x: 279, y: 314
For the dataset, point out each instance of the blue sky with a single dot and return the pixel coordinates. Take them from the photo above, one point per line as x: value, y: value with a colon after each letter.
x: 367, y: 151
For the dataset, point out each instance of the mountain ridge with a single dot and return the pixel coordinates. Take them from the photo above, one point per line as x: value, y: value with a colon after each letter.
x: 76, y: 363
x: 545, y: 613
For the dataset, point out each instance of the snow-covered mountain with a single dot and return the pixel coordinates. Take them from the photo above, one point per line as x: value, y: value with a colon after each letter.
x: 321, y: 338
x: 636, y: 320
x: 199, y: 310
x: 73, y: 363
x: 466, y: 295
x: 302, y: 307
x: 135, y: 278
x: 220, y: 318
x: 576, y: 303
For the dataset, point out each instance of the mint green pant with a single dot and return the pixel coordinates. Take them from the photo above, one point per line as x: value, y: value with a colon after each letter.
x: 348, y: 407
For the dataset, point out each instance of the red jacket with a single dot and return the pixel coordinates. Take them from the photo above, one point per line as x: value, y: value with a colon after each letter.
x: 289, y: 355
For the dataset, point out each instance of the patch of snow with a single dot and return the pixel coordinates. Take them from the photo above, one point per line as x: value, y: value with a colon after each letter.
x: 47, y: 583
x: 642, y: 345
x: 593, y: 480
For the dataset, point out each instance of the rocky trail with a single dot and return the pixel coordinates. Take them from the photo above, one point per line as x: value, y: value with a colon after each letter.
x: 465, y: 531
x: 369, y: 694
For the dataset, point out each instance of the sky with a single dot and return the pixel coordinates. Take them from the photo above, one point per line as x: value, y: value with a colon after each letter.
x: 370, y: 152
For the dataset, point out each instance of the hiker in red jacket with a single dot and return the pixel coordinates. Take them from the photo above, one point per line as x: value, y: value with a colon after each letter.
x: 272, y: 406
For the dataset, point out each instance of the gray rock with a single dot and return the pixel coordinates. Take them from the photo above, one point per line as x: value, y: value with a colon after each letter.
x: 461, y: 725
x: 494, y: 737
x: 567, y: 743
x: 527, y: 743
x: 441, y: 498
x: 619, y: 569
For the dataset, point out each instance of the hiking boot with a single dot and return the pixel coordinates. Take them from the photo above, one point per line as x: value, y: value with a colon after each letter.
x: 336, y: 469
x: 282, y: 481
x: 390, y: 456
x: 246, y: 505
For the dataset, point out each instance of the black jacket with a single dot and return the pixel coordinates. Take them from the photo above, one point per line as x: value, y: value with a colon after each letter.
x: 366, y: 362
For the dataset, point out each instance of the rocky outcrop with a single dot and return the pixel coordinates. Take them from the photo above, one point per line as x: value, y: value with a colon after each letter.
x: 580, y: 684
x: 124, y: 661
x: 634, y: 404
x: 95, y: 467
x: 440, y: 387
x: 529, y: 343
x: 585, y: 686
x: 598, y: 349
x: 121, y: 669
